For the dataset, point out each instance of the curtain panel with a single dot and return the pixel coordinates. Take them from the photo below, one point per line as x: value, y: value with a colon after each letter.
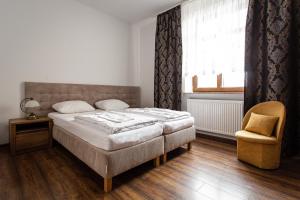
x: 272, y: 61
x: 168, y: 60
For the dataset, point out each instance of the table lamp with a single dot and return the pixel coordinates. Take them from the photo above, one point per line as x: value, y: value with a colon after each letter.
x: 29, y: 103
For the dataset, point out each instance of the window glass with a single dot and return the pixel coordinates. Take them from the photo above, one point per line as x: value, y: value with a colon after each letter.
x: 213, y: 36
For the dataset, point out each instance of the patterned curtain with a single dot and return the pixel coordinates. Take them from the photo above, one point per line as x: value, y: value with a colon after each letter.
x: 168, y: 60
x: 272, y: 61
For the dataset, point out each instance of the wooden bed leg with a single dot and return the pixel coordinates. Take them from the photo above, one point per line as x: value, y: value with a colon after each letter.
x: 107, y: 184
x: 156, y: 161
x: 189, y: 146
x: 165, y: 158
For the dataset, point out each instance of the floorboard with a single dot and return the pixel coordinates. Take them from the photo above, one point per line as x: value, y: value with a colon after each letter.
x: 209, y: 171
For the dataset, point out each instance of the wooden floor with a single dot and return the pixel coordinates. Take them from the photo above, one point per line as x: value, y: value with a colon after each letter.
x: 209, y: 171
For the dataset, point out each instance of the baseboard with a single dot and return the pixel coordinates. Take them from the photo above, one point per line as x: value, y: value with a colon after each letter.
x: 216, y: 137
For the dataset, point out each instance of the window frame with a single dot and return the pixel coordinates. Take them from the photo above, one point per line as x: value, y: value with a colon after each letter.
x: 218, y: 89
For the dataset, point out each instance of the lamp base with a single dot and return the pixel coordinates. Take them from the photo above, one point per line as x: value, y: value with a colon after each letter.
x: 32, y: 116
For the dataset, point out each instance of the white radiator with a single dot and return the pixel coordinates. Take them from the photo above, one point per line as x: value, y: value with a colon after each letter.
x: 216, y: 116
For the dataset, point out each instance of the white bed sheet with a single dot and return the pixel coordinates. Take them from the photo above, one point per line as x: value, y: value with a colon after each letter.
x: 100, y: 139
x: 173, y: 125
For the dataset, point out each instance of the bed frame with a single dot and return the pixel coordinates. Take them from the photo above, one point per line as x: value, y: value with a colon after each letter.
x: 106, y: 163
x: 177, y: 139
x: 48, y: 94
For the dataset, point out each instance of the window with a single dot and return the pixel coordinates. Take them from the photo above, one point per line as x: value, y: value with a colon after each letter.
x: 213, y: 34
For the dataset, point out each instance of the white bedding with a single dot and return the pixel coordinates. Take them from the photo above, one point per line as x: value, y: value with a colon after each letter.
x: 100, y: 139
x: 172, y: 121
x: 177, y: 125
x: 113, y: 122
x: 163, y: 115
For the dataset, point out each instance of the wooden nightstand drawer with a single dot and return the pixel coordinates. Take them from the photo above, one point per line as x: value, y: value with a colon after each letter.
x: 32, y: 140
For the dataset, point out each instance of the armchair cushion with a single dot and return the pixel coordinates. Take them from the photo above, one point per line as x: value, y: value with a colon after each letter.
x: 255, y: 138
x: 261, y: 124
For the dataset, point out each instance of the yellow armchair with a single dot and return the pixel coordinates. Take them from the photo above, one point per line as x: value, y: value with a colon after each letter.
x: 259, y: 150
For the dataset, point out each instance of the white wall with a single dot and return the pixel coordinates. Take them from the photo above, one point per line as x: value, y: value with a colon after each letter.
x: 142, y: 58
x: 57, y: 41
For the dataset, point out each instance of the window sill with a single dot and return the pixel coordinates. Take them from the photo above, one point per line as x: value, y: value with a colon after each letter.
x: 233, y: 90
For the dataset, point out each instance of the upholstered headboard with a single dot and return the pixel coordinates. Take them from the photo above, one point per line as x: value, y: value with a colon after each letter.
x: 48, y: 94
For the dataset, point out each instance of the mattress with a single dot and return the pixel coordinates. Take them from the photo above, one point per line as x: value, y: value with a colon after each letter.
x: 177, y: 125
x: 100, y: 139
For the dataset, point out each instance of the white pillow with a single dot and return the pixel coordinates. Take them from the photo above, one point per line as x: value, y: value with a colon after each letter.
x: 111, y: 104
x: 68, y: 107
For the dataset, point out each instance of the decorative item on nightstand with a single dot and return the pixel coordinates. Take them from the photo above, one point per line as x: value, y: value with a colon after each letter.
x: 27, y: 105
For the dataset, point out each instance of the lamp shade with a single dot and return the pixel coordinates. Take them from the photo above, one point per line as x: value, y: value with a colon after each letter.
x: 32, y: 104
x: 27, y: 106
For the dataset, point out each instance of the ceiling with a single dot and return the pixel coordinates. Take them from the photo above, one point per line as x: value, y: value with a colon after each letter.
x: 131, y: 10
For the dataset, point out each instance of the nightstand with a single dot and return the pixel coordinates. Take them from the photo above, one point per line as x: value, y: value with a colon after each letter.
x: 28, y: 135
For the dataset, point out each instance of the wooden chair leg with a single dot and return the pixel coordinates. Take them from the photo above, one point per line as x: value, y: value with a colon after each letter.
x: 156, y: 162
x: 107, y: 184
x: 189, y: 146
x: 165, y: 157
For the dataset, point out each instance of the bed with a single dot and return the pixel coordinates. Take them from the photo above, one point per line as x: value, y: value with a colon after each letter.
x: 91, y: 134
x: 106, y: 157
x: 177, y: 131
